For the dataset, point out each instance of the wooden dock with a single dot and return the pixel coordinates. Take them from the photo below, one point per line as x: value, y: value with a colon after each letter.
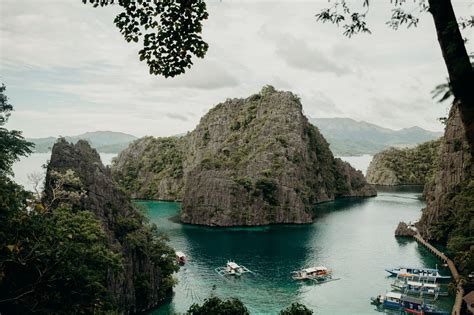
x: 457, y: 279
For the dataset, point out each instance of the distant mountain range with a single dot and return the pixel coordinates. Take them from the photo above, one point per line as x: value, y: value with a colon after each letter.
x: 102, y: 141
x: 347, y: 136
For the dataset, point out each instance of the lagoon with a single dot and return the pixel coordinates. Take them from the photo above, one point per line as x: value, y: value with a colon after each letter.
x: 355, y: 237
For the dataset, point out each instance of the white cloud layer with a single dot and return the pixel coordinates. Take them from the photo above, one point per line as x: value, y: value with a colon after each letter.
x: 68, y: 70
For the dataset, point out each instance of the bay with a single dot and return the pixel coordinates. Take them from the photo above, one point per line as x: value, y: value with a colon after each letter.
x: 355, y: 237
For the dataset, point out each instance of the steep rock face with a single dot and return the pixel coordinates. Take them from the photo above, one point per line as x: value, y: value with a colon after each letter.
x: 454, y: 168
x: 414, y: 166
x: 252, y: 161
x: 123, y: 224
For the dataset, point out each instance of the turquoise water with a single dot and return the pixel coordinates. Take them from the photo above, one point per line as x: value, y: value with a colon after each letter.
x: 353, y: 237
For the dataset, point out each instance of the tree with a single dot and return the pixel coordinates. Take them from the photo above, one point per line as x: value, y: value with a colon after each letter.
x: 49, y: 261
x: 169, y: 29
x: 456, y: 58
x: 216, y: 306
x: 296, y: 309
x: 12, y: 147
x: 12, y: 144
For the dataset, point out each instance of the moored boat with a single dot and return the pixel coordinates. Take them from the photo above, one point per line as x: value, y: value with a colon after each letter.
x: 421, y: 288
x: 421, y: 273
x: 390, y: 299
x: 407, y: 304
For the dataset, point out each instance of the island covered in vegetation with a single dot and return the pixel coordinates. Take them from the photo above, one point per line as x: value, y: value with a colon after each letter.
x: 409, y: 166
x: 252, y: 161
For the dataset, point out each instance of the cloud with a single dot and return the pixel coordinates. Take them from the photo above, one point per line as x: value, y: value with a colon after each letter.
x: 67, y: 66
x: 299, y: 54
x: 177, y: 116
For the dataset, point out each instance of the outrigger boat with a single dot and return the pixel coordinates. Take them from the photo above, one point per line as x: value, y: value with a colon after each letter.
x: 421, y: 288
x: 181, y: 258
x: 318, y: 274
x: 407, y: 304
x: 311, y: 273
x: 421, y: 273
x: 232, y: 269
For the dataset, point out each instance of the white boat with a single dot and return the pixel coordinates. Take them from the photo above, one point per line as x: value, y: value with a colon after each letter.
x: 418, y: 287
x: 422, y: 273
x: 232, y: 269
x: 181, y: 258
x: 311, y: 273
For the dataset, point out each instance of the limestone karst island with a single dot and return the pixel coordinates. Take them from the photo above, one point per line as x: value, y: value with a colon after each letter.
x: 236, y: 157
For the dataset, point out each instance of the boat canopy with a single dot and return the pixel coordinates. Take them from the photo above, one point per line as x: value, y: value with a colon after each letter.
x: 232, y: 265
x: 315, y: 269
x: 394, y: 295
x: 180, y: 255
x: 410, y: 299
x: 421, y: 284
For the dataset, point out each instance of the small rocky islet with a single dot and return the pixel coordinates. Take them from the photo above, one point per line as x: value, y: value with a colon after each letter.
x: 249, y: 162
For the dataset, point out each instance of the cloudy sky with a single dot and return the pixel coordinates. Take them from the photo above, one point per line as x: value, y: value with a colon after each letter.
x: 68, y: 69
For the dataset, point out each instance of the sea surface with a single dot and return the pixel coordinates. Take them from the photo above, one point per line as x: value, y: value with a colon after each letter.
x: 355, y: 237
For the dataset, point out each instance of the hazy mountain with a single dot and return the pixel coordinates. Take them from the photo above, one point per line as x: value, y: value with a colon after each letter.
x: 103, y: 141
x: 347, y: 136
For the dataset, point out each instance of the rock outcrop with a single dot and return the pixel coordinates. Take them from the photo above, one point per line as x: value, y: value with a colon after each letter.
x: 413, y: 166
x: 454, y: 168
x: 404, y: 230
x: 252, y: 161
x: 145, y: 278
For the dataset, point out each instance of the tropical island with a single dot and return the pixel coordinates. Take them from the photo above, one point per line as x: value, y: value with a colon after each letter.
x: 251, y: 212
x: 260, y: 157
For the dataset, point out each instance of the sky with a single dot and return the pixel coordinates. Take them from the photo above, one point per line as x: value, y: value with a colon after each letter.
x: 68, y: 70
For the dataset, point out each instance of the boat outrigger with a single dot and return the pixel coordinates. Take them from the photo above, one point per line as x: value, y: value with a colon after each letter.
x: 421, y: 273
x: 232, y: 269
x: 406, y: 303
x: 181, y: 258
x: 319, y: 274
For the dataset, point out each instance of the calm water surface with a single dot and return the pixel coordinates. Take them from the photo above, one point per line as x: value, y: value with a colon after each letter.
x: 353, y: 237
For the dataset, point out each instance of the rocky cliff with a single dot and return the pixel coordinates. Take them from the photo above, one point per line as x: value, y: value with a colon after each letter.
x: 414, y: 166
x: 252, y: 161
x: 147, y: 262
x: 449, y: 215
x: 454, y: 168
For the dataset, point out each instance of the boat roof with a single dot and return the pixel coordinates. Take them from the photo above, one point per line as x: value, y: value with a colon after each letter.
x: 415, y: 283
x: 421, y: 269
x: 180, y: 254
x: 394, y: 295
x: 232, y: 265
x: 411, y: 299
x: 314, y: 269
